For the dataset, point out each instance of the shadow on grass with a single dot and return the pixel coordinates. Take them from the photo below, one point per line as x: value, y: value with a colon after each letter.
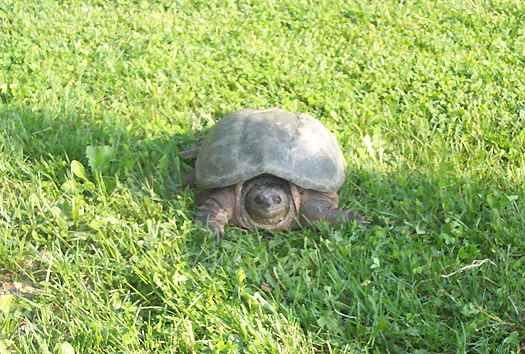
x: 391, y: 287
x: 56, y: 137
x: 382, y: 287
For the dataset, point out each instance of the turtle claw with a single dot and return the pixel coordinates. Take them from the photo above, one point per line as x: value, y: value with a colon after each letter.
x: 357, y: 217
x: 217, y: 230
x: 212, y: 227
x: 212, y: 218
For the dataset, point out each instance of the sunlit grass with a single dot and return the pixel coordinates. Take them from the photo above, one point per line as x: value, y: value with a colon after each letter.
x: 96, y: 240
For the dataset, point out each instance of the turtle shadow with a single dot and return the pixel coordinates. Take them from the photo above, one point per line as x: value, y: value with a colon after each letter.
x: 59, y: 137
x: 340, y: 282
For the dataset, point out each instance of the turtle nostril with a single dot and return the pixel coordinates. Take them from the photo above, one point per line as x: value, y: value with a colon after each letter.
x: 276, y: 199
x: 261, y: 200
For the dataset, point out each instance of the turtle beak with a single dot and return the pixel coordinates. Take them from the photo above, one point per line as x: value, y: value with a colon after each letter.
x: 267, y: 204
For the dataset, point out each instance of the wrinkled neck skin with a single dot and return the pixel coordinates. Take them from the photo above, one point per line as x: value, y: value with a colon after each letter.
x: 267, y: 202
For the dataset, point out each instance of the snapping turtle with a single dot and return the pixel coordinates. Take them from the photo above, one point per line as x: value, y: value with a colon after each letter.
x: 268, y: 169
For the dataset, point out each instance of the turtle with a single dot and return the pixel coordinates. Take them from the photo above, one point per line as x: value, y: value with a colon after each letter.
x: 268, y: 169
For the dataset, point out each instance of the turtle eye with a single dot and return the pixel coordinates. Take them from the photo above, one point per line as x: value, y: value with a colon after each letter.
x: 276, y: 199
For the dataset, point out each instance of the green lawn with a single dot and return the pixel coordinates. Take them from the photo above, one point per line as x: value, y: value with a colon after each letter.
x: 97, y: 248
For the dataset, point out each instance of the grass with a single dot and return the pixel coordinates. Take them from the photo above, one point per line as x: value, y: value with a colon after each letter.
x: 98, y: 252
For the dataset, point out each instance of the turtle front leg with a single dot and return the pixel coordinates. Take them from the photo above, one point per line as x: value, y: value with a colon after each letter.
x: 318, y: 206
x: 215, y: 209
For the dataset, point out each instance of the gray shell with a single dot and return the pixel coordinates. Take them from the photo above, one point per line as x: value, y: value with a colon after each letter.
x: 292, y: 146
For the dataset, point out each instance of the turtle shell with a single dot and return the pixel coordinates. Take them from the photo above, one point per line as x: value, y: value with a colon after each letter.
x: 249, y: 143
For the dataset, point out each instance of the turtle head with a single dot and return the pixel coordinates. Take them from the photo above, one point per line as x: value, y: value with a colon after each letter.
x: 268, y: 201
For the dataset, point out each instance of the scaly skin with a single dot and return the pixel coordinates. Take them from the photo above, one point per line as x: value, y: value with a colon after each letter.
x: 217, y: 208
x: 318, y: 206
x: 221, y: 206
